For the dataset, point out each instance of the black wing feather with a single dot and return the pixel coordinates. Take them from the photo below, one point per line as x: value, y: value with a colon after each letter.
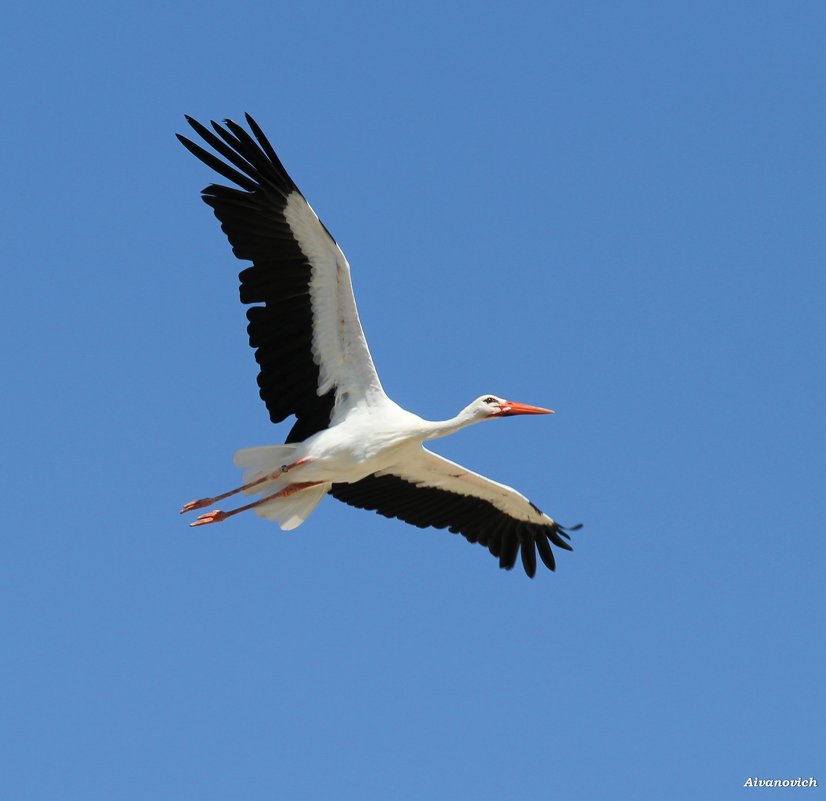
x: 279, y: 279
x: 474, y: 518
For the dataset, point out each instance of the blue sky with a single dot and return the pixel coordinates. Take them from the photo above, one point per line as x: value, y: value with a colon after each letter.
x: 612, y: 209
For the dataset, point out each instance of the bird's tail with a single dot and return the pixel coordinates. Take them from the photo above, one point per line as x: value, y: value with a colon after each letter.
x: 291, y: 510
x: 261, y: 461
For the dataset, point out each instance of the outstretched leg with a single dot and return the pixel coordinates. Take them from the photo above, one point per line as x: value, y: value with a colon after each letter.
x: 217, y: 516
x: 200, y: 504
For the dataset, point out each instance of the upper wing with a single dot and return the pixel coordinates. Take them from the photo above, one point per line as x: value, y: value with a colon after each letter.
x: 433, y: 491
x: 307, y: 336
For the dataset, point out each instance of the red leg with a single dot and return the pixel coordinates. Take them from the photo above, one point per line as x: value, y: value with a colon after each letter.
x: 217, y: 516
x: 200, y: 504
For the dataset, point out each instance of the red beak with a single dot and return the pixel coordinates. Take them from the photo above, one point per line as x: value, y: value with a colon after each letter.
x: 510, y: 408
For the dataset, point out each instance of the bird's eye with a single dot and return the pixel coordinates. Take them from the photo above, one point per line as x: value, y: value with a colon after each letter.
x: 489, y: 399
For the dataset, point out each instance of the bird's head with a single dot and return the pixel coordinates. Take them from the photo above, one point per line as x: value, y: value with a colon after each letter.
x: 487, y: 406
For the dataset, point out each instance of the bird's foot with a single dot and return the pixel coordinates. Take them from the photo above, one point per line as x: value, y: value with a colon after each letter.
x: 215, y: 516
x: 193, y: 505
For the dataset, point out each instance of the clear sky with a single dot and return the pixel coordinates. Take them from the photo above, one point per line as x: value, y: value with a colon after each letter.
x: 612, y: 209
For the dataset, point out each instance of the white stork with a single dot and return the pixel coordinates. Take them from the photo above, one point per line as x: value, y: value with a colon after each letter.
x: 349, y: 439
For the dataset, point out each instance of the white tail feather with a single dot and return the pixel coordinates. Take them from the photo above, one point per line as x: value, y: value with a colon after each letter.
x: 260, y: 461
x: 291, y: 511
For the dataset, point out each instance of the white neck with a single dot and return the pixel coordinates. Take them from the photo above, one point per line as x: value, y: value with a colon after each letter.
x: 442, y: 428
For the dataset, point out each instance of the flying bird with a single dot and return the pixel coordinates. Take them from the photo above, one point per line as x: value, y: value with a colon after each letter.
x: 349, y: 440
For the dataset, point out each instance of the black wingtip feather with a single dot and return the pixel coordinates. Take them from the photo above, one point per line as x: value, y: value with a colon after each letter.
x: 529, y: 557
x: 553, y: 536
x: 545, y: 552
x: 216, y: 164
x: 260, y: 136
x: 268, y: 148
x: 510, y: 549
